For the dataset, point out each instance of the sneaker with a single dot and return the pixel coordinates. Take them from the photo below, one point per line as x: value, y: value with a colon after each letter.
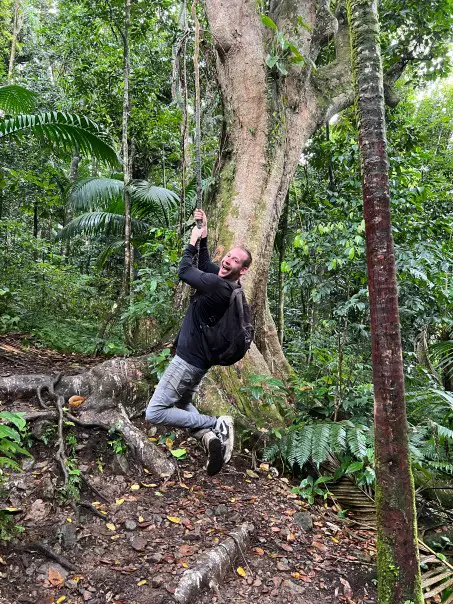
x: 213, y: 446
x: 224, y: 429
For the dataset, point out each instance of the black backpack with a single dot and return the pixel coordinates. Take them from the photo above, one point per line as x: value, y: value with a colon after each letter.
x: 227, y: 341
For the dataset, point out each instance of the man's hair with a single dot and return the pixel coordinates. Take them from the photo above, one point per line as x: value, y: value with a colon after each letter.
x: 248, y: 261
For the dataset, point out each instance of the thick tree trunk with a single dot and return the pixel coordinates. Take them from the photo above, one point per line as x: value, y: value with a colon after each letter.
x: 115, y: 391
x: 398, y: 564
x: 269, y: 119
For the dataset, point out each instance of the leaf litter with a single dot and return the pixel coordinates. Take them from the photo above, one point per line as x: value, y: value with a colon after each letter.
x: 168, y: 533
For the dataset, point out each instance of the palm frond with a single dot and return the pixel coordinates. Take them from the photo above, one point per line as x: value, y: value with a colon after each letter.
x: 110, y: 249
x: 62, y: 131
x: 149, y: 200
x: 16, y: 99
x: 92, y: 193
x: 95, y: 223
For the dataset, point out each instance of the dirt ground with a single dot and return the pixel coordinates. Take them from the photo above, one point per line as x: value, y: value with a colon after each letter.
x: 133, y: 536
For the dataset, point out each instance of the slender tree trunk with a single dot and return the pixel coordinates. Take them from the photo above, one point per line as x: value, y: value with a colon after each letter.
x: 281, y: 274
x: 67, y: 216
x: 398, y: 564
x: 125, y: 150
x: 329, y: 165
x: 17, y: 26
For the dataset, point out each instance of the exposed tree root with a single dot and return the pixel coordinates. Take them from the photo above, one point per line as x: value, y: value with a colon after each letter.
x: 114, y: 391
x: 37, y: 546
x: 213, y: 565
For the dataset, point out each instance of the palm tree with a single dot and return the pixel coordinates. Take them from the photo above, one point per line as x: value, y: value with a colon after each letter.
x: 60, y: 130
x: 102, y: 203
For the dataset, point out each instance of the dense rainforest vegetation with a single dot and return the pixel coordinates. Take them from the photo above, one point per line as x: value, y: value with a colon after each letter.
x: 75, y: 277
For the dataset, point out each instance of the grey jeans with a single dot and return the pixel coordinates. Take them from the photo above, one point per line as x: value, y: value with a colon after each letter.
x: 172, y: 401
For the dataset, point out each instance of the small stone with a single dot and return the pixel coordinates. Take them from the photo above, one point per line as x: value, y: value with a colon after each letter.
x: 304, y: 520
x: 138, y: 543
x: 221, y: 510
x: 87, y: 596
x: 28, y: 464
x: 47, y: 488
x: 130, y: 525
x: 157, y: 580
x: 275, y: 593
x: 283, y: 566
x: 157, y: 518
x: 120, y: 465
x: 71, y: 584
x: 293, y: 587
x: 44, y: 569
x: 20, y: 484
x: 209, y: 512
x: 156, y: 558
x: 84, y: 468
x: 67, y: 533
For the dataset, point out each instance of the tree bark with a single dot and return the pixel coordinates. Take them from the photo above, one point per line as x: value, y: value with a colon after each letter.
x: 281, y: 274
x: 397, y: 558
x: 125, y: 152
x: 17, y: 26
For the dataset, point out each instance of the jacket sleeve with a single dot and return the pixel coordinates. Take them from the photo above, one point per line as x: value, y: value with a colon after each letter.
x: 204, y: 282
x: 204, y: 261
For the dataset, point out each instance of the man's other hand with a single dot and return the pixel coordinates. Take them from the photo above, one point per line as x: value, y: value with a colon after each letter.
x: 195, y: 235
x: 200, y: 215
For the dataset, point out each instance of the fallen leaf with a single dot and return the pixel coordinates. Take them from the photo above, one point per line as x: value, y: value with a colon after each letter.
x: 275, y: 529
x: 96, y: 504
x: 135, y: 487
x: 252, y: 474
x: 119, y: 501
x: 185, y: 550
x: 259, y: 551
x: 55, y: 579
x: 188, y: 474
x: 75, y: 401
x: 184, y: 565
x: 2, y: 561
x: 148, y: 485
x: 174, y: 519
x: 142, y: 582
x: 60, y: 600
x: 318, y: 545
x: 286, y: 547
x: 346, y: 589
x: 141, y: 519
x: 111, y: 526
x: 169, y: 443
x: 241, y: 571
x: 264, y: 466
x: 291, y: 537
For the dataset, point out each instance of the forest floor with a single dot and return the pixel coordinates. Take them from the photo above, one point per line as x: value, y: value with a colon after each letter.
x: 140, y: 534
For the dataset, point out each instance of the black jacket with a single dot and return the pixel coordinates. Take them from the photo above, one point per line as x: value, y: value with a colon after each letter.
x: 207, y: 305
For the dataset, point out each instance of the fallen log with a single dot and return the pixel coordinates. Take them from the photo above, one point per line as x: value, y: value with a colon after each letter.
x: 213, y: 565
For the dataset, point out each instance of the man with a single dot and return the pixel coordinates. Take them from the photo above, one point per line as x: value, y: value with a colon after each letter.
x: 172, y: 402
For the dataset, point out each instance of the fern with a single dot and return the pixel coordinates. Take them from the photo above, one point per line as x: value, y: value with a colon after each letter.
x: 316, y: 442
x: 321, y: 443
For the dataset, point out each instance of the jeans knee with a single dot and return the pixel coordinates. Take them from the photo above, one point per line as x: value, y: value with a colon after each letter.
x: 153, y: 414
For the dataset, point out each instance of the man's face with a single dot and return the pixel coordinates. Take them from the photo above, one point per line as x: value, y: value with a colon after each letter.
x: 231, y: 265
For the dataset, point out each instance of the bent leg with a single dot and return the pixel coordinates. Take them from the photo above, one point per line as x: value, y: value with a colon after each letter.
x: 171, y: 403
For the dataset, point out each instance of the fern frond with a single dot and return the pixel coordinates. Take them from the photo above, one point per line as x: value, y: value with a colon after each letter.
x: 320, y: 447
x: 357, y: 442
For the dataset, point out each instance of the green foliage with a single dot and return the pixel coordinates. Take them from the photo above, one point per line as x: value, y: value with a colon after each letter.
x: 11, y: 440
x: 61, y: 131
x: 316, y: 442
x: 158, y: 363
x: 117, y: 442
x: 282, y: 52
x: 310, y: 488
x: 17, y: 99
